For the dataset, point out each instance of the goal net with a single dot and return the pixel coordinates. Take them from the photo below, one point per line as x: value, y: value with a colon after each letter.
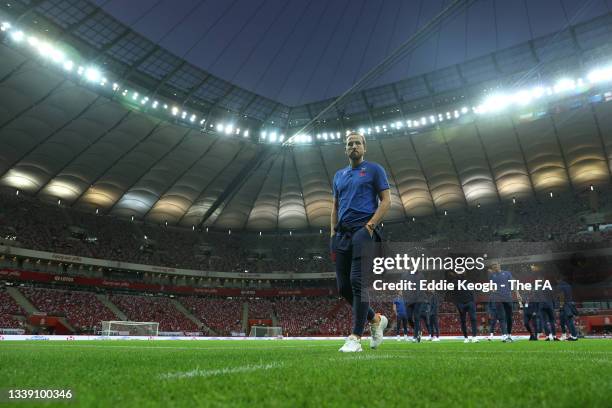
x: 127, y: 328
x: 266, y: 331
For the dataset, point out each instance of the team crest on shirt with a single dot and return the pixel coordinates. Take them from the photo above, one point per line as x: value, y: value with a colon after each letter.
x: 362, y: 172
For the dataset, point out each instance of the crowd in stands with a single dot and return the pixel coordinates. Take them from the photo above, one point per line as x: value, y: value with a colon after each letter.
x: 36, y: 225
x: 223, y: 316
x: 83, y: 310
x: 8, y: 310
x: 33, y: 224
x: 318, y: 316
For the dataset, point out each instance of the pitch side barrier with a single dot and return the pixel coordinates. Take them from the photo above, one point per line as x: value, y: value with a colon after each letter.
x: 10, y: 337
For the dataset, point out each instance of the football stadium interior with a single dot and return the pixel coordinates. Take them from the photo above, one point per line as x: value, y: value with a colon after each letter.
x: 167, y: 172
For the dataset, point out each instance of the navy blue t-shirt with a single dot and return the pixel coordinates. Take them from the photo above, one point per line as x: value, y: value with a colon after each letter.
x: 504, y: 291
x: 356, y: 191
x: 400, y: 307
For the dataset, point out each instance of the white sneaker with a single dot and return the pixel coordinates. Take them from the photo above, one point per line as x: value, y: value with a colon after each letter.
x: 378, y: 331
x: 466, y: 340
x: 474, y: 339
x: 490, y: 338
x: 430, y: 338
x: 406, y: 338
x: 351, y: 345
x: 436, y: 339
x: 563, y: 336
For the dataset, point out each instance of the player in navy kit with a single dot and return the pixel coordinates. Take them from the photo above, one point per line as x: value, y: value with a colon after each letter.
x: 360, y: 200
x: 434, y: 301
x: 465, y: 302
x: 503, y: 299
x: 401, y: 317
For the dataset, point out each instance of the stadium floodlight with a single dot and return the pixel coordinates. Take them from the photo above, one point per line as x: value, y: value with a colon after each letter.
x: 309, y: 139
x: 135, y: 96
x: 237, y: 131
x: 362, y: 131
x: 282, y: 138
x: 423, y: 120
x: 5, y: 26
x: 377, y: 129
x: 220, y: 127
x: 183, y: 115
x: 246, y: 133
x: 17, y: 36
x: 192, y: 118
x: 456, y: 114
x: 68, y: 65
x: 600, y: 75
x: 564, y: 85
x: 369, y: 131
x: 432, y: 119
x: 398, y: 124
x: 273, y: 137
x: 523, y: 97
x: 464, y: 110
x: 318, y: 136
x: 495, y: 103
x: 125, y: 92
x: 324, y: 136
x: 174, y: 111
x: 154, y: 104
x: 93, y: 75
x: 33, y: 41
x: 56, y: 55
x: 44, y: 49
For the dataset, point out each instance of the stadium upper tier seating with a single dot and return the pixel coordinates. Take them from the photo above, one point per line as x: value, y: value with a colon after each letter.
x: 32, y: 224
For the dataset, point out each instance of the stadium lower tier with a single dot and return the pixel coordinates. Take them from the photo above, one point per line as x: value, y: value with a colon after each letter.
x: 83, y: 311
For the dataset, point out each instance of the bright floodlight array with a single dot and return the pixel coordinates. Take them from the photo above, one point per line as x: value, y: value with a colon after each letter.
x: 493, y: 103
x: 94, y: 76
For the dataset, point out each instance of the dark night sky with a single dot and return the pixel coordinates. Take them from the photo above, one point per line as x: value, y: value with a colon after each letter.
x: 298, y: 51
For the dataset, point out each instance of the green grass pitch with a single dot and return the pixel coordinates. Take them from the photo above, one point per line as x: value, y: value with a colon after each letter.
x: 282, y: 373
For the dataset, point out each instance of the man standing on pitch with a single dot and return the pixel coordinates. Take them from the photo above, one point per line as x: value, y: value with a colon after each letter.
x: 503, y: 299
x: 360, y: 201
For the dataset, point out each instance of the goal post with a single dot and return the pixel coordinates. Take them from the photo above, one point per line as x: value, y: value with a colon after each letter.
x: 266, y: 331
x: 128, y: 328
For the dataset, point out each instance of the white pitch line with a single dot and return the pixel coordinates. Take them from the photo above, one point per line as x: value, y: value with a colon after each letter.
x: 219, y: 371
x: 360, y: 357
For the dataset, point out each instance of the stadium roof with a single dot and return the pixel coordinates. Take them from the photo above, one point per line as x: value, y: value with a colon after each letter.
x: 297, y: 52
x: 64, y: 139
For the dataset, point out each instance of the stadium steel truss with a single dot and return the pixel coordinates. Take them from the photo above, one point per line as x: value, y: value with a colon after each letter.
x: 63, y: 140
